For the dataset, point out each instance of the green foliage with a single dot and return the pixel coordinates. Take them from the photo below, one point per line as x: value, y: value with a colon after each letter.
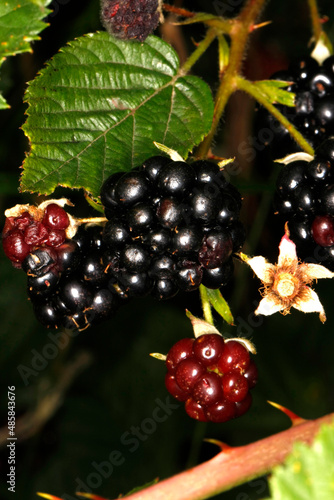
x: 308, y: 472
x: 274, y: 91
x: 98, y: 106
x: 20, y: 24
x: 220, y: 305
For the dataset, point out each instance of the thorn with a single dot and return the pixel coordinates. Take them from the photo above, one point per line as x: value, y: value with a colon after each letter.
x: 260, y: 25
x: 48, y: 497
x: 295, y: 419
x: 222, y: 446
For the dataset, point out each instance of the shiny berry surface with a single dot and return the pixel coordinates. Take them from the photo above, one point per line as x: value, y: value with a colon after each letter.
x: 220, y: 412
x: 234, y: 357
x: 235, y: 386
x: 174, y: 389
x: 175, y: 179
x: 75, y: 294
x: 208, y: 389
x: 55, y: 217
x: 131, y: 188
x: 188, y: 372
x: 39, y: 261
x: 323, y: 230
x: 195, y: 410
x: 215, y: 250
x: 208, y: 349
x: 181, y: 350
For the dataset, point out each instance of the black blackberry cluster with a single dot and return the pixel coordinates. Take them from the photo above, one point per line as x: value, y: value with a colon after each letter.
x: 67, y: 285
x: 313, y: 114
x: 172, y: 226
x: 304, y: 198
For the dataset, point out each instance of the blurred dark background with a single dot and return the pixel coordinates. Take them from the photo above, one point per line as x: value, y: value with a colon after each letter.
x: 78, y: 403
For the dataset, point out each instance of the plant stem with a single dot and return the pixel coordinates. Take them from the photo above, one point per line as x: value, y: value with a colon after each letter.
x: 177, y: 10
x: 239, y: 33
x: 254, y: 91
x: 95, y: 220
x: 206, y: 305
x: 315, y: 18
x: 233, y: 466
x: 199, y: 51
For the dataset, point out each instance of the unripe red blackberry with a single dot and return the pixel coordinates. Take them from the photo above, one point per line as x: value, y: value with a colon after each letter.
x: 212, y: 376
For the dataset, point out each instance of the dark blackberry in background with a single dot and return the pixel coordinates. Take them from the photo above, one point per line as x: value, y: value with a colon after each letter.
x: 173, y: 225
x: 313, y: 114
x: 304, y: 198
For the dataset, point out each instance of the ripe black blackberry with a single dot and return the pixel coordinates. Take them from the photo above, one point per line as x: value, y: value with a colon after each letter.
x: 171, y: 226
x: 82, y: 293
x: 304, y: 198
x: 313, y: 114
x: 212, y: 376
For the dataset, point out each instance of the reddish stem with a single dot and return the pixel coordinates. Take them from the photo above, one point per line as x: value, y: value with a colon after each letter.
x: 233, y: 466
x: 177, y: 10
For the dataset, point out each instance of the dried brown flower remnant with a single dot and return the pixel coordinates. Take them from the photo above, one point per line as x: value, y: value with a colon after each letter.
x: 288, y: 283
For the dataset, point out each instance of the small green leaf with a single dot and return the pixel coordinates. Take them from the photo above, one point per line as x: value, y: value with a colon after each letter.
x: 220, y: 305
x: 100, y: 104
x: 308, y: 473
x: 275, y: 93
x: 224, y: 53
x: 21, y: 21
x: 3, y: 103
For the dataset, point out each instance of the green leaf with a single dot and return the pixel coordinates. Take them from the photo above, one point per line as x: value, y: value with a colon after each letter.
x: 98, y: 106
x: 308, y: 473
x: 275, y: 93
x: 20, y: 24
x: 220, y: 305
